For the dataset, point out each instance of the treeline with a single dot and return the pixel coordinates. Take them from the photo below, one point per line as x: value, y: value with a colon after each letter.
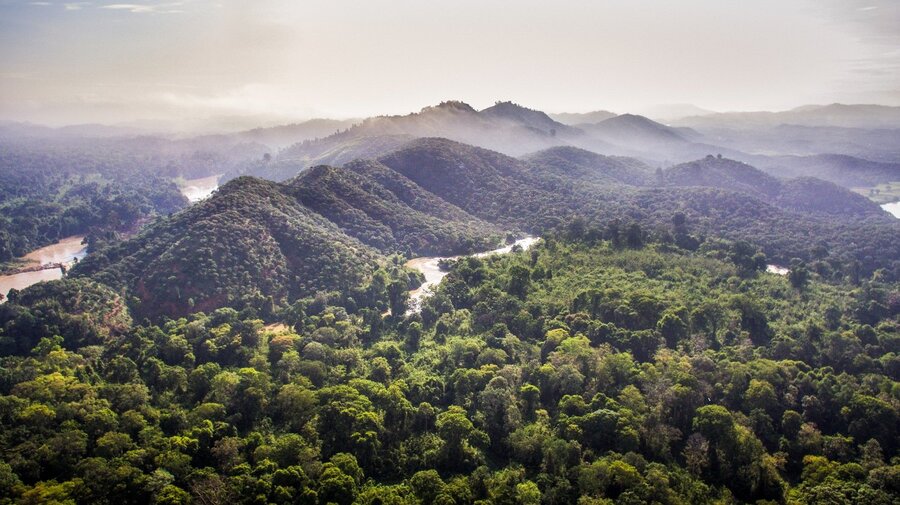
x: 586, y: 370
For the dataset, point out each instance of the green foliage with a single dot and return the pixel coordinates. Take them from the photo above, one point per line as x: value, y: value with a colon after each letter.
x: 51, y: 192
x: 576, y: 372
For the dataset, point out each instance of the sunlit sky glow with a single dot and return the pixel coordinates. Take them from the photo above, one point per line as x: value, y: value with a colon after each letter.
x: 107, y: 61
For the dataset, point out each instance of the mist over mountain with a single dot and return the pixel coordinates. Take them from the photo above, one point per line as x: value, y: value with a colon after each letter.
x: 673, y: 112
x: 806, y: 194
x: 833, y: 115
x: 847, y: 171
x: 576, y: 118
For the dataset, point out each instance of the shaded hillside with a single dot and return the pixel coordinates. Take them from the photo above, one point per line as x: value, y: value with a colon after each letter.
x: 629, y: 130
x: 248, y: 240
x: 513, y: 192
x: 85, y: 312
x: 388, y: 212
x: 847, y: 171
x: 723, y: 173
x: 490, y: 185
x: 810, y: 194
x: 805, y: 194
x: 592, y: 167
x: 334, y: 150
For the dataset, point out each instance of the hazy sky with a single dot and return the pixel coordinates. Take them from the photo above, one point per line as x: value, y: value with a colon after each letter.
x: 100, y: 61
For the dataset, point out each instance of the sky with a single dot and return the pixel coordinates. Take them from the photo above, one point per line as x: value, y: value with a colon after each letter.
x: 274, y: 60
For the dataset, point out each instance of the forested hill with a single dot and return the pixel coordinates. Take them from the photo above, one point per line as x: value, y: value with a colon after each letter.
x: 249, y: 240
x: 803, y: 194
x: 575, y: 163
x: 254, y: 239
x: 389, y: 212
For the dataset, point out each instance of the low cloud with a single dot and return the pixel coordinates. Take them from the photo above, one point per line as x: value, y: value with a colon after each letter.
x: 168, y: 8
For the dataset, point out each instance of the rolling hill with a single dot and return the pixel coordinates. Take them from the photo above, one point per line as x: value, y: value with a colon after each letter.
x: 249, y: 239
x: 592, y: 167
x: 725, y: 174
x: 323, y: 230
x: 806, y: 194
x: 847, y: 171
x: 512, y: 192
x: 630, y: 130
x: 384, y: 210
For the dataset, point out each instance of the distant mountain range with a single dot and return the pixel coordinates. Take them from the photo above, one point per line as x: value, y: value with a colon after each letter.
x: 576, y: 118
x: 799, y: 142
x: 834, y: 115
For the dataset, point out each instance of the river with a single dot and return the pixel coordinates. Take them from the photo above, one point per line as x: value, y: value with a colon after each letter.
x: 428, y: 265
x: 199, y: 189
x: 893, y: 208
x: 63, y: 251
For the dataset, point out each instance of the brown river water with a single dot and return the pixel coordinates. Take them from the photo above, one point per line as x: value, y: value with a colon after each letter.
x: 428, y: 265
x: 64, y: 251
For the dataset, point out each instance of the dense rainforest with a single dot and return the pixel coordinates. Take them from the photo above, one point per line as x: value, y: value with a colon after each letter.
x: 601, y: 366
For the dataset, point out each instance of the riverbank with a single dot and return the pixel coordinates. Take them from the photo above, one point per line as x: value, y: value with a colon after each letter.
x: 44, y: 264
x: 429, y: 266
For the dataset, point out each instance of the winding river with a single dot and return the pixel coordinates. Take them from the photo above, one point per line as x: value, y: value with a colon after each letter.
x: 893, y: 208
x: 64, y: 251
x: 199, y: 189
x: 429, y: 266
